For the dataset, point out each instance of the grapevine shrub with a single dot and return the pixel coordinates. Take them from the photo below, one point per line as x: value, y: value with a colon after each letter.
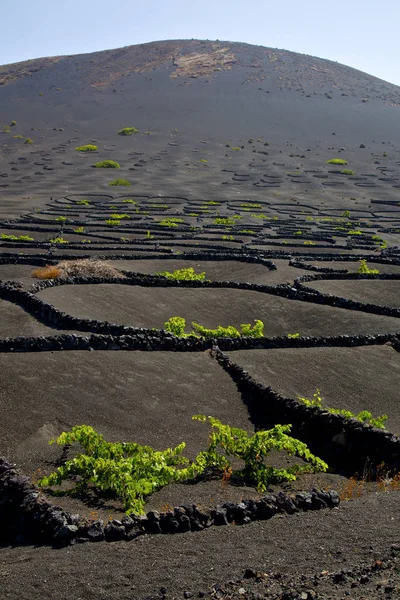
x: 188, y: 274
x: 176, y: 325
x: 131, y: 472
x: 364, y: 416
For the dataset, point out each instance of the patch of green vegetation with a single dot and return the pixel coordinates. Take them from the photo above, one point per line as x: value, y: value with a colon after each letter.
x: 347, y: 172
x: 228, y: 238
x: 224, y: 221
x: 131, y: 471
x: 236, y: 148
x: 59, y: 240
x: 355, y: 232
x: 107, y: 164
x: 176, y: 325
x: 293, y: 336
x: 61, y: 219
x: 364, y: 416
x: 336, y: 161
x: 28, y: 141
x: 16, y: 238
x: 250, y: 205
x: 148, y: 235
x: 128, y: 201
x: 128, y: 131
x: 79, y: 230
x: 119, y: 216
x: 363, y: 269
x: 86, y: 148
x: 119, y: 182
x: 203, y: 160
x: 83, y: 202
x: 212, y: 203
x: 13, y: 123
x: 248, y: 231
x: 170, y: 222
x: 346, y: 214
x: 309, y: 243
x: 112, y: 222
x: 185, y: 274
x: 18, y: 137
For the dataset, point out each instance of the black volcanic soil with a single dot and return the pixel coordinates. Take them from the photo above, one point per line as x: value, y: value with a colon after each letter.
x: 225, y: 131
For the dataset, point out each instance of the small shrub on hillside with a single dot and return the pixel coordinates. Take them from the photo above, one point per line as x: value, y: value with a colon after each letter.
x: 224, y: 221
x: 363, y: 269
x: 83, y: 202
x: 59, y: 240
x: 347, y: 172
x: 170, y: 222
x: 364, y: 416
x: 119, y: 216
x: 129, y: 201
x: 16, y: 238
x: 28, y: 141
x: 187, y: 274
x: 86, y: 148
x: 107, y: 164
x: 18, y: 137
x: 128, y: 131
x: 336, y: 161
x: 293, y: 336
x: 119, y: 182
x: 131, y: 472
x: 176, y: 325
x: 79, y: 230
x: 13, y: 123
x: 228, y: 238
x: 61, y: 219
x: 112, y: 222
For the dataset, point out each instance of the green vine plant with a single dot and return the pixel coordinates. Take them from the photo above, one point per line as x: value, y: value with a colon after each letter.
x: 131, y: 472
x: 177, y: 325
x: 187, y: 274
x: 364, y: 269
x: 364, y: 416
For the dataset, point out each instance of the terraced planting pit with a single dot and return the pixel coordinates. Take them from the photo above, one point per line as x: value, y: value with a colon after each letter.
x: 369, y: 291
x: 140, y: 306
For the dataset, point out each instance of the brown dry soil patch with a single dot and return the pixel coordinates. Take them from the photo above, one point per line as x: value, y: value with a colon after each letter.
x: 372, y: 291
x: 150, y: 307
x: 356, y: 379
x: 287, y: 548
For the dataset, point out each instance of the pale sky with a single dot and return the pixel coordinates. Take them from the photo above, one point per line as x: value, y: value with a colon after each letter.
x: 360, y: 33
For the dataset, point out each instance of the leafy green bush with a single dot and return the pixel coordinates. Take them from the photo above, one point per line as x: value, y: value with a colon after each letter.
x: 336, y: 161
x: 132, y: 472
x: 79, y: 230
x: 83, y: 202
x: 187, y: 274
x: 228, y: 238
x: 119, y: 182
x: 107, y: 164
x: 112, y: 222
x: 16, y: 238
x: 224, y: 221
x: 347, y: 172
x: 170, y: 222
x: 293, y: 336
x: 13, y: 123
x: 363, y: 269
x: 119, y: 216
x: 86, y: 148
x: 59, y: 240
x: 176, y: 325
x: 364, y: 416
x: 61, y: 219
x: 128, y: 131
x: 28, y: 141
x: 237, y: 443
